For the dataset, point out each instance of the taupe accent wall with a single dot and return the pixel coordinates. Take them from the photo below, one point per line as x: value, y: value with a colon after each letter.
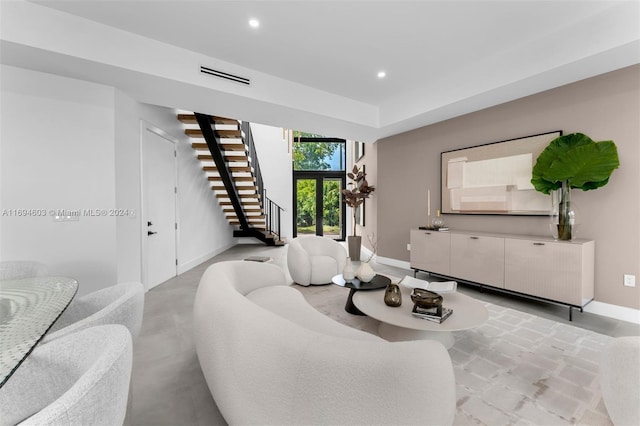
x: 606, y: 107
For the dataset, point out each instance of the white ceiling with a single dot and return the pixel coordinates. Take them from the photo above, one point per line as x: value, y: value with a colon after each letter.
x: 442, y: 58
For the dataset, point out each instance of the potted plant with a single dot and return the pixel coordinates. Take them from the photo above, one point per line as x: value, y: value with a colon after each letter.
x: 573, y: 161
x: 354, y: 195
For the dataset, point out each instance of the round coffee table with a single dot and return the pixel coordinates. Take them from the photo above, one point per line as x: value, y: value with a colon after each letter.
x: 398, y: 324
x: 378, y: 282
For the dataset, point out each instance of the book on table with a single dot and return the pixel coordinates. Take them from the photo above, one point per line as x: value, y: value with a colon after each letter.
x: 434, y: 286
x: 436, y: 314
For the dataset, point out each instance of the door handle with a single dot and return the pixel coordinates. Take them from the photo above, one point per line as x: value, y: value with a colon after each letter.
x: 149, y: 223
x: 151, y: 232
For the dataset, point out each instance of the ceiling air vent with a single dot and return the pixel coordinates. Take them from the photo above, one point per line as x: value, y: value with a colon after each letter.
x: 225, y: 75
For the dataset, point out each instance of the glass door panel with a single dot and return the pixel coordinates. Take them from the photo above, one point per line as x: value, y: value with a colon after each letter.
x: 305, y: 206
x: 332, y: 208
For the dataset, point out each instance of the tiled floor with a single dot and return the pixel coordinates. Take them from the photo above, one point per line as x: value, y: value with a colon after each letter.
x: 168, y: 387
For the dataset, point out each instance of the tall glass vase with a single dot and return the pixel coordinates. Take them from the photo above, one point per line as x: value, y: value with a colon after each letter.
x: 563, y: 214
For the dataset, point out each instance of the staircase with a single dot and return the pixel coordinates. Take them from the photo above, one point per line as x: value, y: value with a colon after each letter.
x: 226, y: 151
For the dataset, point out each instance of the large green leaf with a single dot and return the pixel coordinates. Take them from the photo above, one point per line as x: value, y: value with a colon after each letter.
x: 575, y: 158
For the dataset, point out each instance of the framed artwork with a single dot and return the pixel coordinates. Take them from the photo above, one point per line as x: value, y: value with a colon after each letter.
x: 358, y: 151
x: 494, y: 178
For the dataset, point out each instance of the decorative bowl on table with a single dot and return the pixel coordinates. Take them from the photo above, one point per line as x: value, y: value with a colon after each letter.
x: 425, y: 298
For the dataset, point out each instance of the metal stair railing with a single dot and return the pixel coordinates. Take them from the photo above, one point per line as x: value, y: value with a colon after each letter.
x: 272, y: 211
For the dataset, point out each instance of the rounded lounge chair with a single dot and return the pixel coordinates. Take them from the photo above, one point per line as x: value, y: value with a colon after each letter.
x: 314, y: 260
x: 119, y: 304
x: 80, y: 379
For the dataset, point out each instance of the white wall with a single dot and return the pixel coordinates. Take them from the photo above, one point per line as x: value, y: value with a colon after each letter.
x: 277, y: 173
x: 71, y: 144
x: 58, y: 153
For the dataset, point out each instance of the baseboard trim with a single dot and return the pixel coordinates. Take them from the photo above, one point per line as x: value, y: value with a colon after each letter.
x: 621, y: 313
x: 393, y: 262
x: 613, y: 311
x: 184, y: 267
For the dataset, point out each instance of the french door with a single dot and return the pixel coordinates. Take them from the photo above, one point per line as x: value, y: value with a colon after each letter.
x: 318, y: 205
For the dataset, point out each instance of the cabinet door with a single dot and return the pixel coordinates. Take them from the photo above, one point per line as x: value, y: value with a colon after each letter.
x: 552, y: 270
x: 478, y: 258
x: 430, y: 251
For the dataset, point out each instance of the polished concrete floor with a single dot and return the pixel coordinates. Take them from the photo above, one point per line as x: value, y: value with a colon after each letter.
x: 168, y: 387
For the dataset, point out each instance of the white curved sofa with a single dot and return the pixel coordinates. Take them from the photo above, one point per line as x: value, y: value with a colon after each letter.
x: 620, y: 380
x: 270, y: 358
x: 314, y: 260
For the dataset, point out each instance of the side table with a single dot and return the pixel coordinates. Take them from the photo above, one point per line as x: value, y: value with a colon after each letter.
x: 378, y: 282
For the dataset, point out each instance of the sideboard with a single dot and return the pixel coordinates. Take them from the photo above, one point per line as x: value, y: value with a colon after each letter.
x: 556, y: 271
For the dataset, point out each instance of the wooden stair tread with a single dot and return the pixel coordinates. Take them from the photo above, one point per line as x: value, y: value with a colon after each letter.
x: 236, y: 178
x: 234, y: 147
x: 229, y: 134
x: 225, y: 195
x: 224, y: 120
x: 222, y: 134
x: 239, y: 188
x: 224, y: 146
x: 251, y: 217
x: 231, y: 169
x: 229, y: 158
x: 222, y: 188
x: 244, y: 203
x: 231, y: 210
x: 191, y: 119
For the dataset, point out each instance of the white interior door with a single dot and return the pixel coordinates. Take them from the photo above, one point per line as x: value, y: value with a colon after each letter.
x: 158, y: 207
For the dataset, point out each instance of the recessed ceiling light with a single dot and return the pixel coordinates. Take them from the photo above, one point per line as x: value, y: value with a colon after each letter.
x: 382, y: 74
x: 254, y: 23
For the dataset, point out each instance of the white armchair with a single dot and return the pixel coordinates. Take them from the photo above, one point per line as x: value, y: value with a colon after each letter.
x: 119, y: 304
x: 80, y: 379
x: 620, y: 380
x: 315, y: 260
